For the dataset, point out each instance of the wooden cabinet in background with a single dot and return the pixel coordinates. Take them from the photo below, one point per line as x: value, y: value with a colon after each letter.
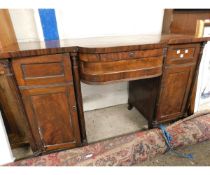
x: 183, y: 21
x: 47, y: 88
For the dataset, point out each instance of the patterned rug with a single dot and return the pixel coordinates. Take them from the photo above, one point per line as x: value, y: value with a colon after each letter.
x: 129, y: 149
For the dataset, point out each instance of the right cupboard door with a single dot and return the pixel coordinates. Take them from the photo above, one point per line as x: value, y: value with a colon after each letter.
x: 174, y: 91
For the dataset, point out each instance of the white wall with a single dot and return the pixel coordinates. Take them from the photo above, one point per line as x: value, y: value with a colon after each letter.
x: 101, y: 19
x: 24, y: 24
x: 105, y: 20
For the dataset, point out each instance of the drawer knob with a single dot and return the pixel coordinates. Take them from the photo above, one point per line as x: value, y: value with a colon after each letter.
x: 181, y: 55
x: 186, y: 51
x: 178, y: 52
x: 131, y: 54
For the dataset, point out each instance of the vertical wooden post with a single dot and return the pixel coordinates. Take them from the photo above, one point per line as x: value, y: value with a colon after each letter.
x: 75, y: 70
x: 7, y: 33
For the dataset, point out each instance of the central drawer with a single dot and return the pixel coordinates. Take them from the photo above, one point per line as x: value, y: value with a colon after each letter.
x: 108, y: 67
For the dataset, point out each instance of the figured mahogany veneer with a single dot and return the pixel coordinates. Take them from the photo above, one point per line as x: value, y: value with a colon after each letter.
x: 104, y: 72
x: 43, y: 70
x: 108, y: 67
x: 47, y: 90
x: 176, y: 83
x: 41, y: 81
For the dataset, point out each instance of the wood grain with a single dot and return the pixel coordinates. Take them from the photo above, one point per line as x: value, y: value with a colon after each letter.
x: 13, y: 114
x: 48, y: 78
x: 175, y: 86
x: 49, y: 100
x: 7, y: 33
x: 97, y: 45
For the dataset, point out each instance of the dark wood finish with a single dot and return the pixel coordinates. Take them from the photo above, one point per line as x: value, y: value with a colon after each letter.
x: 169, y: 99
x: 75, y: 69
x: 49, y: 99
x: 52, y: 69
x: 167, y: 19
x: 97, y: 45
x: 52, y: 116
x: 143, y: 95
x: 180, y: 54
x: 104, y: 72
x: 174, y: 92
x: 107, y: 67
x: 13, y: 123
x: 118, y: 56
x: 12, y: 112
x: 48, y: 76
x: 184, y: 21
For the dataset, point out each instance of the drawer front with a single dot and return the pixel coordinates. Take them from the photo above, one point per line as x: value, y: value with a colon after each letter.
x: 104, y: 68
x: 43, y: 70
x: 179, y: 54
x: 120, y: 55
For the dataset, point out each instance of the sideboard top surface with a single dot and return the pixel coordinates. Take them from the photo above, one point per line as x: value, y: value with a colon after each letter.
x: 96, y: 44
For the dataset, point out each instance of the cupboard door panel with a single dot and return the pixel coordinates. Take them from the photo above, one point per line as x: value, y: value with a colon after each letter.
x: 174, y: 92
x: 43, y: 70
x: 52, y: 115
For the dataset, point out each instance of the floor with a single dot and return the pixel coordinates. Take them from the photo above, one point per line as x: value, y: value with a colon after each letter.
x: 204, y: 106
x: 102, y: 124
x: 112, y: 121
x: 22, y: 152
x: 200, y: 152
x: 117, y: 120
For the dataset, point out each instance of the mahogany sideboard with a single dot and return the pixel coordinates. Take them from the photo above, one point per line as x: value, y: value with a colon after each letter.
x: 40, y: 81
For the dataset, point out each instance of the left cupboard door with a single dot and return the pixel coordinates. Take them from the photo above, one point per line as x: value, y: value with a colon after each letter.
x: 47, y: 89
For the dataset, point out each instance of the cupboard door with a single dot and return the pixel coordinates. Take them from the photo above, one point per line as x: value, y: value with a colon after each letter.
x: 53, y: 117
x: 47, y: 90
x: 174, y: 92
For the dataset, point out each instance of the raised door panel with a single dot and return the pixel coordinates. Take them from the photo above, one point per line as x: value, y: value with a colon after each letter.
x: 43, y: 70
x: 53, y: 117
x: 174, y: 92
